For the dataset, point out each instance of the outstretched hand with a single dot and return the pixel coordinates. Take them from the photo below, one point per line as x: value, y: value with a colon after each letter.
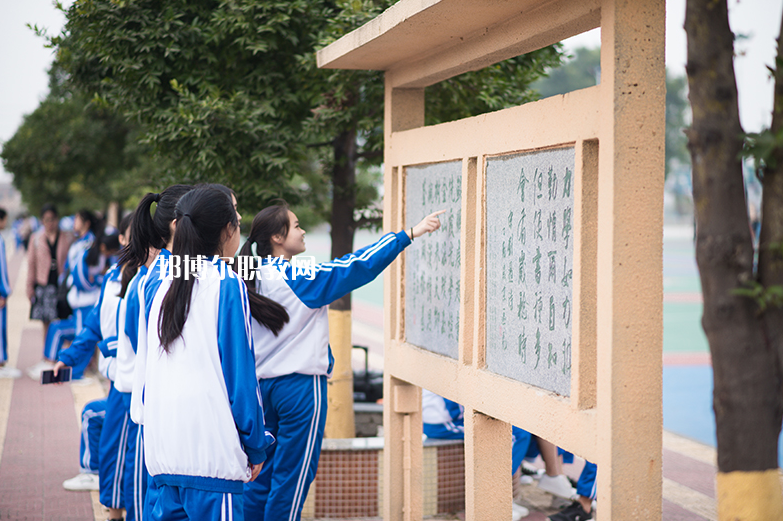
x: 427, y: 225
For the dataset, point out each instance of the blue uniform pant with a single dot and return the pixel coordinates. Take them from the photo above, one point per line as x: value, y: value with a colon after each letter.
x: 585, y: 486
x: 136, y: 476
x: 92, y: 425
x: 113, y: 449
x: 169, y: 503
x: 61, y: 330
x: 4, y: 334
x: 455, y: 430
x: 295, y: 413
x: 134, y: 471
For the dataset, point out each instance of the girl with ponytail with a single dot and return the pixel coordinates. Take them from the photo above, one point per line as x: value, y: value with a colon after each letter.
x: 293, y: 359
x: 195, y: 383
x: 151, y: 233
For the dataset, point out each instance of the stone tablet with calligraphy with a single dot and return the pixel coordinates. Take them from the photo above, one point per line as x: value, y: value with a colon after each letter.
x: 432, y: 263
x: 530, y: 201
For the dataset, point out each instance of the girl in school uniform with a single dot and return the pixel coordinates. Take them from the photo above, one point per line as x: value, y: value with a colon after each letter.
x: 201, y: 408
x: 292, y: 366
x: 111, y: 424
x: 5, y: 291
x: 141, y: 293
x: 150, y: 234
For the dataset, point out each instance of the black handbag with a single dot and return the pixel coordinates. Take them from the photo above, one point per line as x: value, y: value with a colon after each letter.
x: 63, y: 308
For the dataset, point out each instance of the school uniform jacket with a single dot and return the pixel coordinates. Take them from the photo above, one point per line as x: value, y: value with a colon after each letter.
x: 84, y: 280
x: 100, y: 327
x: 201, y: 406
x: 137, y: 317
x: 303, y: 344
x: 126, y: 345
x: 437, y: 410
x: 5, y: 286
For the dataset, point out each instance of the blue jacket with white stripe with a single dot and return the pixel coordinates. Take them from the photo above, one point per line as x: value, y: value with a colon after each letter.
x: 303, y: 344
x: 100, y: 327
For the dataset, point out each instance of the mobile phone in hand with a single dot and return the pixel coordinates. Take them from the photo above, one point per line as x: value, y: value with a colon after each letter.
x: 63, y: 375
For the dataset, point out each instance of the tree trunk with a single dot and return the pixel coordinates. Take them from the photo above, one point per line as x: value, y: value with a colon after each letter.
x: 746, y: 397
x: 771, y: 237
x: 343, y: 202
x: 339, y: 419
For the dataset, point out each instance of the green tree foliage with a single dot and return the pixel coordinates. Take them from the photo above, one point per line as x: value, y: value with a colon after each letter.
x: 219, y: 87
x: 583, y: 69
x: 579, y: 71
x: 677, y: 109
x: 228, y: 90
x: 73, y: 154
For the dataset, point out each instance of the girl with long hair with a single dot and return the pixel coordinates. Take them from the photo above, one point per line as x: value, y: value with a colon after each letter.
x: 151, y: 234
x: 197, y: 384
x: 293, y: 363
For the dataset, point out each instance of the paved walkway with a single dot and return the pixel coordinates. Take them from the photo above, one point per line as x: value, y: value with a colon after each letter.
x: 39, y: 439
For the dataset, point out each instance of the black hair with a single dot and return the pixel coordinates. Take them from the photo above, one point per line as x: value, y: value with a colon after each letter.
x: 148, y: 230
x: 125, y: 223
x: 202, y: 216
x: 3, y: 214
x: 111, y: 241
x: 270, y: 221
x: 97, y: 229
x: 49, y: 207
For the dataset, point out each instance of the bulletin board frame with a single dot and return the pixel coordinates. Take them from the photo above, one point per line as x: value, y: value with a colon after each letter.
x: 613, y: 415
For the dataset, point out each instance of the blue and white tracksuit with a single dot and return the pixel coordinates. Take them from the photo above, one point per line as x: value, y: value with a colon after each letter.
x: 135, y: 470
x: 93, y: 415
x: 585, y: 486
x: 85, y: 283
x: 445, y: 420
x: 100, y: 327
x: 292, y: 368
x: 199, y: 404
x: 5, y: 290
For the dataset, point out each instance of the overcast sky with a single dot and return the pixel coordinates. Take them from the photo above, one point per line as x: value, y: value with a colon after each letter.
x: 24, y: 60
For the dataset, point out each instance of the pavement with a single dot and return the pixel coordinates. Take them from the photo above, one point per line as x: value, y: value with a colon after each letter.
x: 39, y: 425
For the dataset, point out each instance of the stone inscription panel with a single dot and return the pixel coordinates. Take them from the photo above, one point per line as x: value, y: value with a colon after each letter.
x: 529, y: 263
x: 432, y: 263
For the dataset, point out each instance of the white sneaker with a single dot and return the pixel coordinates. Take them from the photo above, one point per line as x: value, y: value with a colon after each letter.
x: 524, y: 479
x: 82, y: 482
x: 9, y: 372
x: 532, y: 471
x: 518, y: 512
x: 35, y: 371
x: 557, y: 486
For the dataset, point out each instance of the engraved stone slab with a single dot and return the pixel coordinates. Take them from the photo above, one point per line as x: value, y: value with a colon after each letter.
x: 530, y: 201
x: 432, y: 263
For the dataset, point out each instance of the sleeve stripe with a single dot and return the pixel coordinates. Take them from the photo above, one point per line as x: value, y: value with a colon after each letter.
x: 326, y: 266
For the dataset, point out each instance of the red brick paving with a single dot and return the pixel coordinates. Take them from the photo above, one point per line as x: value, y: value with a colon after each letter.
x: 689, y: 472
x: 672, y: 512
x: 41, y: 448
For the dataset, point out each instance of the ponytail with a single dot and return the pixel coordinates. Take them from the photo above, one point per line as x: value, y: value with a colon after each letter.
x: 202, y: 216
x: 267, y: 223
x: 148, y: 231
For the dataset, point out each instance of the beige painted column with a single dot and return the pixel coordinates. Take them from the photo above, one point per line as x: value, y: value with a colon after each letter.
x: 402, y: 455
x: 488, y: 488
x: 629, y: 293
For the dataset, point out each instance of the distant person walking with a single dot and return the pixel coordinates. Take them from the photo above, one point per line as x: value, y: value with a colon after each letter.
x: 5, y: 290
x: 48, y: 251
